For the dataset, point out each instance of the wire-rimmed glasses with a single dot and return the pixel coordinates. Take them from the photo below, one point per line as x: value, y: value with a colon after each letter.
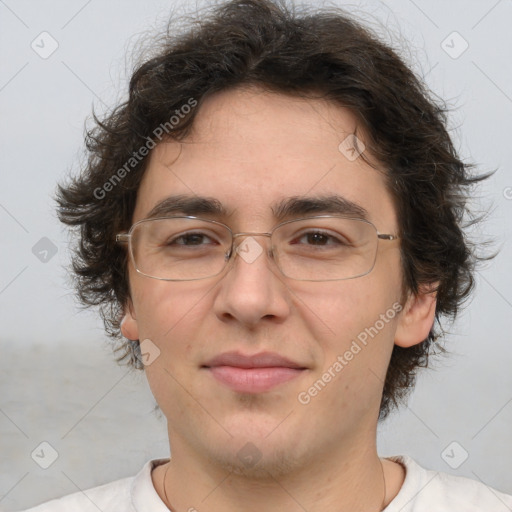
x: 317, y: 248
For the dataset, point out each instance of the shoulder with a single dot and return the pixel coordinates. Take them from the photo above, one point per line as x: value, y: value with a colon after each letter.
x: 124, y: 495
x: 112, y: 497
x: 432, y: 491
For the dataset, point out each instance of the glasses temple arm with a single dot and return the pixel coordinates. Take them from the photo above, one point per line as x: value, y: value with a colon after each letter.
x: 122, y: 238
x: 387, y: 237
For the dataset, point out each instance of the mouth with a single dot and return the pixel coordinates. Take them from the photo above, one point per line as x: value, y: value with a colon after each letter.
x: 252, y: 373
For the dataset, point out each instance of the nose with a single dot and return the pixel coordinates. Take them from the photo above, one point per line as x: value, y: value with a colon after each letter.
x: 252, y: 290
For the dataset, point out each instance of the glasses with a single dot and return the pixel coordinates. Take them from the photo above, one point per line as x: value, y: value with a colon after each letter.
x: 319, y: 248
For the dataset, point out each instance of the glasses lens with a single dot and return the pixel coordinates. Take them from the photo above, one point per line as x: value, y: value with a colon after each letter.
x: 179, y: 248
x: 325, y: 248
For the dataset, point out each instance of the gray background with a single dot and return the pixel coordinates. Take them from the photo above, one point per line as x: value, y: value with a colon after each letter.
x: 58, y: 381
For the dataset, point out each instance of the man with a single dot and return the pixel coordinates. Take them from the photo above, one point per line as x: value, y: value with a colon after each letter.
x: 272, y: 222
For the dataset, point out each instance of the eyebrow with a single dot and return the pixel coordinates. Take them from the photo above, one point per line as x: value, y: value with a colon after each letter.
x: 290, y: 207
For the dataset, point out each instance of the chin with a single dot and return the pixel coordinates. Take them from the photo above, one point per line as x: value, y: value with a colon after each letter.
x: 258, y: 461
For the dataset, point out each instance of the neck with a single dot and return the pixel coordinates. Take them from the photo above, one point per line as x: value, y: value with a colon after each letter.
x: 354, y: 481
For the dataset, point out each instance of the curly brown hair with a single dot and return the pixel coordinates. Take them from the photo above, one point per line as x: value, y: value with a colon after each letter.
x: 294, y: 51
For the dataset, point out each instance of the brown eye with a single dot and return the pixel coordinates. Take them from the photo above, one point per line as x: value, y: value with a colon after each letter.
x: 191, y: 239
x: 318, y: 238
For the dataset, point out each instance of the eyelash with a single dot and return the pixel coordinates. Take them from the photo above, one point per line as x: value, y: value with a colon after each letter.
x: 330, y: 237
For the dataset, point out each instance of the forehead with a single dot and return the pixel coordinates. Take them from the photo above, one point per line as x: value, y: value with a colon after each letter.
x: 250, y: 150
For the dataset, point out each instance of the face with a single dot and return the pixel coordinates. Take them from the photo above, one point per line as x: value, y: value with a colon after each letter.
x: 251, y: 150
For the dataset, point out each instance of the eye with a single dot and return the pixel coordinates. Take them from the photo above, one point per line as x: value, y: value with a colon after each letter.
x: 319, y: 239
x: 190, y: 239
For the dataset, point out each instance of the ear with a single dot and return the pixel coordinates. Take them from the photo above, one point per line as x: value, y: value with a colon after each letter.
x: 129, y: 326
x: 417, y: 317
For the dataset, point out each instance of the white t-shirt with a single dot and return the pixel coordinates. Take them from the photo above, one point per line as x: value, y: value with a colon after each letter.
x: 422, y: 491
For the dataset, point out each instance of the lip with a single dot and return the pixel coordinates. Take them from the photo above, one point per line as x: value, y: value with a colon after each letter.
x: 261, y: 360
x: 252, y: 373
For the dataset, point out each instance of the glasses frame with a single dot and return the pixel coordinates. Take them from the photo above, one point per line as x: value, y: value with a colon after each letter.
x: 126, y: 238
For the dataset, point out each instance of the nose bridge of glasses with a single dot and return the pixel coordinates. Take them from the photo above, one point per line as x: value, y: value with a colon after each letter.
x: 248, y: 233
x: 249, y: 251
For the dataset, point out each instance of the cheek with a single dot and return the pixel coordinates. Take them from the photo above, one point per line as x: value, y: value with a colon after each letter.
x: 164, y: 308
x: 353, y: 323
x: 355, y: 354
x: 171, y: 315
x: 341, y: 310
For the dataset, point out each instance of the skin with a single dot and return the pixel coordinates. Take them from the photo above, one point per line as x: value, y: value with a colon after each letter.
x: 249, y: 149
